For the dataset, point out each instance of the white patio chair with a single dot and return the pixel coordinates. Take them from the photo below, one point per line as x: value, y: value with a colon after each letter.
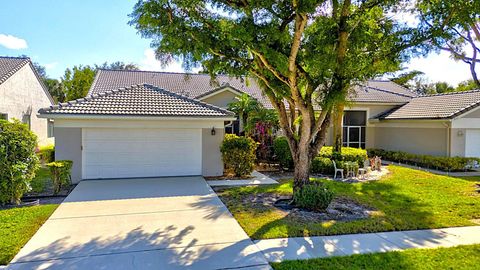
x: 337, y: 170
x: 362, y: 171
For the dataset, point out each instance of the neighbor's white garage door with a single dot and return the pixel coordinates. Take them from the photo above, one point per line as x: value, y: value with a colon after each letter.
x: 123, y: 153
x: 472, y: 143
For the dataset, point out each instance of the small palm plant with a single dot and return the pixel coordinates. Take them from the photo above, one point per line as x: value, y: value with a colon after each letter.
x: 244, y: 106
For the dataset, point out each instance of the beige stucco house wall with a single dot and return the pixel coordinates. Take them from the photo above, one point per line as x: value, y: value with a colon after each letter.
x: 221, y: 99
x: 21, y: 95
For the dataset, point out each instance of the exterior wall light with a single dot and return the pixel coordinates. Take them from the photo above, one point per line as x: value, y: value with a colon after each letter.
x: 213, y: 131
x: 460, y: 133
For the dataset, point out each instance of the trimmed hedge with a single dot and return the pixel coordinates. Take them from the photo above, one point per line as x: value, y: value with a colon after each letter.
x: 323, y: 162
x: 282, y: 152
x: 46, y: 153
x: 348, y: 154
x: 61, y: 171
x: 238, y: 154
x: 426, y: 161
x: 18, y: 161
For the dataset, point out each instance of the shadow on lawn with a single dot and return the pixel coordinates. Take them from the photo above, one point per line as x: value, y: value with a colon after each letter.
x: 400, y: 212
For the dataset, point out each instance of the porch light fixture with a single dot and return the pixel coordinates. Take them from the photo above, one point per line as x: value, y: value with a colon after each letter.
x: 213, y: 131
x: 460, y: 133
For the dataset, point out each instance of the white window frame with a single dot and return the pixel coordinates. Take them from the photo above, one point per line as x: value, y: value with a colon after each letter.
x: 359, y: 142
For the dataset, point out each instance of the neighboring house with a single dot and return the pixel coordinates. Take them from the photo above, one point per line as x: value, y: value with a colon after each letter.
x: 22, y: 94
x: 137, y: 131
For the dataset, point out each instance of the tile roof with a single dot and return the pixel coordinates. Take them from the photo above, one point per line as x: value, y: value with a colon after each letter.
x: 389, y: 92
x: 137, y: 100
x: 440, y: 106
x: 10, y: 65
x: 198, y: 85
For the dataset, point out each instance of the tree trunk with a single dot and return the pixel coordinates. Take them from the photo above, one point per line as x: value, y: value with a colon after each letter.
x: 338, y: 128
x: 302, y: 162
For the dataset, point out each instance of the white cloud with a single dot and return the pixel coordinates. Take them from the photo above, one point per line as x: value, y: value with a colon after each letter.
x: 149, y: 62
x: 441, y: 68
x: 12, y: 42
x: 50, y: 65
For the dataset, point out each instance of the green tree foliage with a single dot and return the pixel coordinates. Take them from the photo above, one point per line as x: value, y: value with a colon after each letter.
x: 454, y: 27
x: 60, y: 171
x: 118, y: 65
x: 406, y: 78
x: 244, y: 106
x: 303, y: 53
x: 18, y: 161
x: 77, y: 81
x: 55, y: 88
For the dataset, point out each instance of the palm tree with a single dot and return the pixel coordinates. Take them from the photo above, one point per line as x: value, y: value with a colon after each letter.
x: 243, y: 107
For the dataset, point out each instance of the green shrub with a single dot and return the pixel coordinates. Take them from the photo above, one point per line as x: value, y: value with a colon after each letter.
x: 348, y: 154
x: 282, y: 152
x: 18, y: 161
x: 238, y: 154
x: 322, y: 165
x: 60, y: 171
x: 314, y: 197
x: 427, y: 161
x: 46, y: 153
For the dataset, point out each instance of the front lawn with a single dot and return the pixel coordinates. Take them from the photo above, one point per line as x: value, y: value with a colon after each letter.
x: 42, y: 181
x: 18, y: 225
x: 406, y: 199
x: 461, y: 257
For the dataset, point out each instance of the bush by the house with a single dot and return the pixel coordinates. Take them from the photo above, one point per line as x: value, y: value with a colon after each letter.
x: 427, y: 161
x: 60, y: 171
x: 46, y: 153
x: 314, y: 197
x: 238, y: 154
x: 282, y: 152
x: 18, y: 161
x: 348, y: 154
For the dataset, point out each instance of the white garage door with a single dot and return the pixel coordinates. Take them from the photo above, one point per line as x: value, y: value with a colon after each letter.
x: 124, y: 153
x: 472, y: 143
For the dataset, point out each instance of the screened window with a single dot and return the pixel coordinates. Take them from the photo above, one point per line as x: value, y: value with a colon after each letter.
x: 354, y: 128
x: 50, y: 128
x: 3, y: 116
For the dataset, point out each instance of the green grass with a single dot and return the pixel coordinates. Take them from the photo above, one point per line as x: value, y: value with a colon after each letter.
x: 42, y: 180
x: 18, y: 225
x: 461, y: 257
x: 406, y: 199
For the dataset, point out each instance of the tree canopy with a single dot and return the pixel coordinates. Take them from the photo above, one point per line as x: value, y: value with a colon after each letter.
x: 305, y: 54
x: 455, y: 27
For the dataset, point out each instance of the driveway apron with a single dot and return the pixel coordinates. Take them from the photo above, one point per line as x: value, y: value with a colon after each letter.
x: 151, y: 223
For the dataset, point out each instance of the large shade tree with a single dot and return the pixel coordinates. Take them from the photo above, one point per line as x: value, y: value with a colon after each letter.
x: 455, y: 28
x: 305, y: 54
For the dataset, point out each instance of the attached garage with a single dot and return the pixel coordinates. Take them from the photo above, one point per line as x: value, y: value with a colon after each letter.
x: 472, y: 143
x: 141, y: 131
x: 122, y: 153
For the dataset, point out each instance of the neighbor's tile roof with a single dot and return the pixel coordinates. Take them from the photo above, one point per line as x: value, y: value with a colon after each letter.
x: 198, y: 85
x: 10, y: 65
x: 190, y: 85
x: 441, y: 106
x: 137, y: 100
x: 381, y: 92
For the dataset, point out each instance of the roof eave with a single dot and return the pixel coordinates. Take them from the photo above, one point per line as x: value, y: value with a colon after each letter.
x: 131, y: 117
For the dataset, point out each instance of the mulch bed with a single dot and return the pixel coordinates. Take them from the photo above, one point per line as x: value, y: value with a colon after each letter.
x: 341, y: 208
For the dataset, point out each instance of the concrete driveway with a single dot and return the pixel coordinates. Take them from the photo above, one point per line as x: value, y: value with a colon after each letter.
x: 162, y: 223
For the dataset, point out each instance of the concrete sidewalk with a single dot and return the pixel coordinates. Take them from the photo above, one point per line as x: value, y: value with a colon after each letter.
x: 300, y: 248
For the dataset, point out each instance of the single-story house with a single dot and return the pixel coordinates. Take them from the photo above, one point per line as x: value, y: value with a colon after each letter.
x: 143, y: 123
x: 22, y: 94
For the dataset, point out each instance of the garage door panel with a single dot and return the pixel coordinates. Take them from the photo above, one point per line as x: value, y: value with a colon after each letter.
x: 472, y: 143
x: 117, y: 153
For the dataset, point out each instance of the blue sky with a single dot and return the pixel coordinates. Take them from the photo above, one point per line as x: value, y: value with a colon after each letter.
x: 60, y: 34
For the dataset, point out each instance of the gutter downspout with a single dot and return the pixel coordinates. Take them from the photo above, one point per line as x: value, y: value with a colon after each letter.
x: 449, y: 138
